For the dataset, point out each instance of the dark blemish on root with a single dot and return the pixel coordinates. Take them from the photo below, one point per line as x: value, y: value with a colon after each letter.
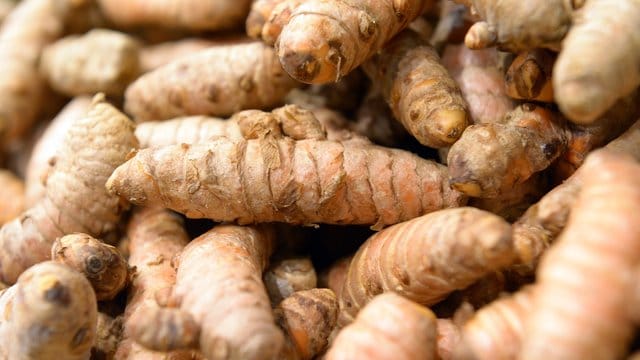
x: 304, y: 67
x: 58, y: 294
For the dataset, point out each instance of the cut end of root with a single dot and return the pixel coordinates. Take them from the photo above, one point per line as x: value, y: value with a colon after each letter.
x: 449, y: 125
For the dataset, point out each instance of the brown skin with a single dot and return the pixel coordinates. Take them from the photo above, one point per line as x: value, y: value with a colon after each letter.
x: 31, y: 26
x: 608, y: 207
x: 331, y: 182
x: 587, y: 82
x: 217, y: 81
x: 287, y: 276
x: 108, y: 335
x: 477, y: 295
x: 427, y: 258
x: 98, y: 61
x: 164, y: 329
x: 544, y: 221
x: 307, y: 317
x: 335, y: 276
x: 12, y: 191
x: 258, y: 15
x: 235, y: 315
x: 490, y: 159
x: 515, y: 26
x: 389, y: 327
x: 419, y: 90
x: 102, y: 264
x: 155, y: 236
x: 190, y: 14
x: 325, y: 40
x: 375, y: 121
x: 49, y: 314
x: 529, y: 76
x: 76, y: 199
x: 481, y: 82
x: 496, y: 331
x: 278, y: 19
x: 48, y: 145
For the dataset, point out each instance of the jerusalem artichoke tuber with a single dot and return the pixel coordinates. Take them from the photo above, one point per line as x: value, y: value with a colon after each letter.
x: 389, y: 327
x: 326, y: 39
x: 419, y: 90
x: 76, y: 199
x: 102, y: 264
x: 217, y: 81
x: 49, y: 314
x: 427, y: 258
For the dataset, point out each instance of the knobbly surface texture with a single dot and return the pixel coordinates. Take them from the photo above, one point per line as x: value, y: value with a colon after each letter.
x: 49, y: 314
x: 422, y: 259
x: 326, y: 39
x: 286, y: 276
x: 235, y: 315
x: 587, y: 82
x: 76, y: 199
x: 102, y: 264
x: 98, y: 61
x: 585, y: 261
x: 419, y: 90
x: 303, y: 182
x: 381, y: 331
x: 190, y: 14
x: 217, y: 81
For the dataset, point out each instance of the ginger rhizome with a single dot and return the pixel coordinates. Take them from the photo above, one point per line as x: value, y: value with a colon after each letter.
x: 286, y: 276
x: 325, y: 40
x: 49, y: 314
x: 585, y: 261
x: 186, y: 14
x: 529, y: 76
x: 217, y: 81
x: 516, y: 26
x: 25, y: 32
x: 155, y: 237
x: 298, y: 182
x: 419, y: 90
x: 219, y: 283
x: 492, y: 158
x: 98, y: 61
x: 51, y: 140
x: 389, y: 327
x: 76, y: 199
x: 586, y: 83
x: 102, y: 264
x: 307, y: 317
x: 422, y: 259
x: 12, y: 193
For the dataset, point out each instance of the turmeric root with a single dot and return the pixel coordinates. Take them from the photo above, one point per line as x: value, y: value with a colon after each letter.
x: 374, y: 120
x: 267, y: 18
x: 419, y: 90
x: 258, y: 15
x: 481, y: 82
x: 99, y: 61
x: 586, y: 83
x: 218, y: 81
x: 50, y: 313
x: 12, y: 193
x: 584, y: 262
x: 108, y: 335
x: 102, y: 264
x: 542, y: 222
x: 155, y: 56
x: 5, y: 9
x: 334, y: 277
x: 427, y: 257
x: 287, y: 276
x: 25, y: 32
x: 529, y: 76
x: 490, y: 159
x: 308, y: 317
x: 325, y: 40
x: 515, y: 26
x: 76, y: 199
x: 48, y: 145
x: 496, y: 331
x: 281, y: 180
x: 155, y: 237
x: 234, y: 314
x: 191, y: 14
x: 187, y: 130
x: 389, y: 327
